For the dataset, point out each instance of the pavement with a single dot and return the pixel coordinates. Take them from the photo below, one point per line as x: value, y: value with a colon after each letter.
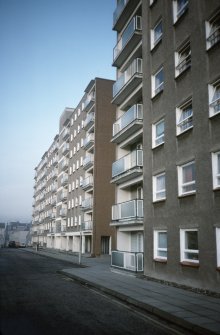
x: 195, y: 312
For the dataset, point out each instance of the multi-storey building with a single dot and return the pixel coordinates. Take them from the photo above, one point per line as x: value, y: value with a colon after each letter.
x: 168, y: 89
x: 80, y: 192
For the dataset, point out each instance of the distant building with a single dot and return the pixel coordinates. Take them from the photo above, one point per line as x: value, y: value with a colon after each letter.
x: 2, y: 234
x: 167, y: 135
x: 73, y: 196
x: 18, y: 232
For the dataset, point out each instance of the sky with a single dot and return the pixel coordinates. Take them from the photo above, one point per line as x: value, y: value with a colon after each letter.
x: 49, y: 52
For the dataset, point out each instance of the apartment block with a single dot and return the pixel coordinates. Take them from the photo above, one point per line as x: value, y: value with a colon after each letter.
x: 81, y: 195
x: 167, y: 135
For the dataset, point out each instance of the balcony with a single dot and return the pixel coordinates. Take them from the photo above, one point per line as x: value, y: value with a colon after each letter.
x: 128, y: 167
x: 64, y: 164
x: 55, y: 160
x: 87, y: 226
x: 64, y: 180
x: 128, y: 82
x: 87, y: 204
x: 89, y: 121
x: 89, y: 102
x: 129, y: 123
x: 66, y: 134
x: 122, y: 13
x: 128, y: 41
x: 87, y: 183
x: 54, y: 174
x: 89, y: 141
x: 63, y: 196
x: 128, y: 213
x: 63, y: 212
x: 132, y: 261
x: 88, y: 162
x: 65, y: 148
x: 53, y: 188
x: 54, y: 201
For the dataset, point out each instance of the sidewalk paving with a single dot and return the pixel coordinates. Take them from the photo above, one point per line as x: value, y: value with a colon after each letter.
x: 195, y: 312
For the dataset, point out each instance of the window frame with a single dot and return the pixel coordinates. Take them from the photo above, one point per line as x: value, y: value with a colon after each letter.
x: 182, y: 61
x: 157, y: 89
x: 217, y: 233
x: 180, y: 168
x: 158, y: 249
x: 212, y: 30
x: 180, y: 123
x: 184, y: 250
x: 177, y: 14
x: 154, y: 41
x: 156, y: 138
x: 215, y: 172
x: 155, y: 191
x: 212, y: 102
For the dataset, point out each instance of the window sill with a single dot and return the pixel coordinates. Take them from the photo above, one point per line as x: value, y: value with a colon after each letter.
x: 213, y: 46
x: 218, y: 268
x: 184, y: 131
x: 216, y: 189
x: 156, y: 201
x: 190, y: 264
x: 160, y: 260
x: 156, y: 44
x: 211, y: 115
x: 179, y: 75
x: 186, y: 194
x: 154, y: 96
x: 158, y: 145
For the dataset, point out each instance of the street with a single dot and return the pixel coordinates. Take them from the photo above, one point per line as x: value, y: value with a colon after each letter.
x: 35, y: 299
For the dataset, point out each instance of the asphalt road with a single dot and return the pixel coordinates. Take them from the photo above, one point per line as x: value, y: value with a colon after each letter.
x: 35, y: 299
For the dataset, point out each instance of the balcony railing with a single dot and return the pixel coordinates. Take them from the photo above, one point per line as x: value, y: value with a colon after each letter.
x: 66, y: 133
x: 89, y: 101
x: 63, y: 195
x: 64, y: 180
x: 89, y: 121
x: 87, y: 203
x: 88, y: 162
x: 132, y: 261
x: 128, y: 81
x: 120, y: 6
x: 87, y: 183
x: 65, y: 148
x: 88, y: 141
x: 87, y: 225
x: 63, y: 212
x: 128, y: 164
x: 135, y: 113
x: 129, y: 39
x: 129, y: 210
x: 64, y: 164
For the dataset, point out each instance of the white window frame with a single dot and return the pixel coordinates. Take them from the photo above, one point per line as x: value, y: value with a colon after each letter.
x: 214, y: 98
x: 178, y: 13
x: 156, y: 89
x: 154, y: 38
x: 157, y: 249
x: 184, y: 250
x: 157, y: 140
x: 181, y: 185
x: 212, y: 27
x: 182, y: 59
x: 183, y: 124
x: 215, y: 170
x: 218, y: 246
x: 157, y: 193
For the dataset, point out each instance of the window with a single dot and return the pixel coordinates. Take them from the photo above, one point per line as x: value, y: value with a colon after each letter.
x: 157, y: 82
x: 212, y: 31
x: 158, y: 133
x: 159, y: 187
x: 184, y: 117
x: 182, y: 59
x: 218, y: 246
x: 216, y: 169
x: 179, y: 8
x: 160, y: 244
x: 214, y: 98
x: 186, y: 179
x: 189, y: 250
x: 156, y: 34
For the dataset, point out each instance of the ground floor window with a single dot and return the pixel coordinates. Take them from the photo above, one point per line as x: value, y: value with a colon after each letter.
x: 189, y: 249
x: 160, y: 244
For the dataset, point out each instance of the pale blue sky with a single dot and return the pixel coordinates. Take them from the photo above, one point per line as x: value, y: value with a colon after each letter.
x: 50, y: 50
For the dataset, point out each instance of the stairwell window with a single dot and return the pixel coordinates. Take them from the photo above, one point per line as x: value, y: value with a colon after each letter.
x: 156, y: 34
x: 189, y: 249
x: 184, y: 118
x: 216, y: 170
x: 213, y: 31
x: 214, y: 98
x: 159, y: 187
x: 182, y: 59
x: 158, y: 133
x: 179, y: 8
x: 160, y: 245
x: 157, y: 82
x: 186, y: 179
